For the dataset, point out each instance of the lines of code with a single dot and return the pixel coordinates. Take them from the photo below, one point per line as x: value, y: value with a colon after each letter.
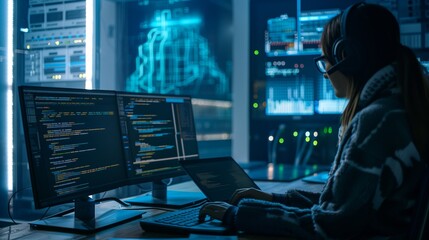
x: 76, y: 139
x: 157, y: 131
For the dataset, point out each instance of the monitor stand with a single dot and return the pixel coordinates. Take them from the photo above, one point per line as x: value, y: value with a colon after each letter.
x: 87, y: 218
x: 161, y: 197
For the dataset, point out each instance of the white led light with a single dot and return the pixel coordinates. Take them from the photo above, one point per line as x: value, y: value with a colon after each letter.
x: 88, y: 43
x: 9, y: 94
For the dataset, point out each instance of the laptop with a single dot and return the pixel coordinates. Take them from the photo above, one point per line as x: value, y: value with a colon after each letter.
x: 217, y: 178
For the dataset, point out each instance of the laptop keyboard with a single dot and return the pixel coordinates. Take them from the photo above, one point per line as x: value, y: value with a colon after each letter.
x: 184, y: 217
x: 183, y: 221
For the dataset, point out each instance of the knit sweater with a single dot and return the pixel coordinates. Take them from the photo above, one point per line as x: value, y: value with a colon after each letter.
x: 373, y: 184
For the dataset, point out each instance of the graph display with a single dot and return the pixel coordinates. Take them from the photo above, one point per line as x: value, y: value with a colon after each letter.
x: 290, y: 35
x: 291, y: 97
x: 327, y: 102
x: 311, y: 27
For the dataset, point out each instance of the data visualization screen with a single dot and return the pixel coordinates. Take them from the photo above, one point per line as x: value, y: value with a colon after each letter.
x: 284, y: 40
x: 75, y: 142
x: 157, y: 131
x: 294, y: 112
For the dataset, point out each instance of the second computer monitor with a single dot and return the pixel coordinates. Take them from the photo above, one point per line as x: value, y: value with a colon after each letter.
x: 157, y: 132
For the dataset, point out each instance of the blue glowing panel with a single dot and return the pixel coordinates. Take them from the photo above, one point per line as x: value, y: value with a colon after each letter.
x: 280, y: 39
x: 327, y: 102
x: 290, y: 97
x: 179, y: 47
x: 311, y: 28
x: 287, y: 36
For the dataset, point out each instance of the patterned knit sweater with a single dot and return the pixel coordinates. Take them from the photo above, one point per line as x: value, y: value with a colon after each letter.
x: 373, y: 183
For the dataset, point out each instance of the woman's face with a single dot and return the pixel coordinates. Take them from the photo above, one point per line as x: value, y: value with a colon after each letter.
x: 339, y: 81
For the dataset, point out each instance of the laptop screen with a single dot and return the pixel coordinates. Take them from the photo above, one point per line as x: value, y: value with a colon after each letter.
x: 218, y: 178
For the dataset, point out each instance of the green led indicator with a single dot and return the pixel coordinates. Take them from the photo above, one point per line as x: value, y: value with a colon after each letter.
x: 255, y: 105
x: 307, y: 139
x: 307, y: 172
x: 330, y: 130
x: 256, y: 52
x: 315, y: 143
x: 281, y: 169
x: 281, y: 140
x: 295, y: 134
x: 325, y: 130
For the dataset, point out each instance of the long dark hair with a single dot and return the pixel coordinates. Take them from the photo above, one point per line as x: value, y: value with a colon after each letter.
x: 415, y: 91
x: 377, y: 31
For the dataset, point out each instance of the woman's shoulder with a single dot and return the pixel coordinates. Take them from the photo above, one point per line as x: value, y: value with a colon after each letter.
x: 379, y: 130
x: 380, y: 113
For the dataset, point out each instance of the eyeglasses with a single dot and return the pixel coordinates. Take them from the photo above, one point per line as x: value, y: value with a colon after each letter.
x: 321, y: 63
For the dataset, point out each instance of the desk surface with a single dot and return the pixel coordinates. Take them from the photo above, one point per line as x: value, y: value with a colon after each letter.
x: 132, y: 229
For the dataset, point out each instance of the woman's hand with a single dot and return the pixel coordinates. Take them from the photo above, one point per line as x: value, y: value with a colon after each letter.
x: 250, y: 193
x: 215, y: 210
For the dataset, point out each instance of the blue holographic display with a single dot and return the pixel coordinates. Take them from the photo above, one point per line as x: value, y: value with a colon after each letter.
x: 180, y: 47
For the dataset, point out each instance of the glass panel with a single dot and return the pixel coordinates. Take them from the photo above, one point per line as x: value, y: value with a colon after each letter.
x: 173, y: 47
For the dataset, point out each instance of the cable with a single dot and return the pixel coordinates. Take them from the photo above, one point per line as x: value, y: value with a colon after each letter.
x: 9, y: 201
x: 142, y: 189
x: 170, y: 182
x: 307, y: 154
x: 59, y: 214
x: 45, y: 213
x: 42, y: 217
x: 299, y: 149
x: 197, y: 204
x: 166, y: 209
x: 279, y: 132
x: 270, y: 147
x: 303, y: 150
x: 113, y: 199
x: 104, y: 194
x: 149, y: 208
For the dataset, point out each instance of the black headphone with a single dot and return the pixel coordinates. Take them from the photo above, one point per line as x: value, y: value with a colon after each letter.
x: 345, y: 51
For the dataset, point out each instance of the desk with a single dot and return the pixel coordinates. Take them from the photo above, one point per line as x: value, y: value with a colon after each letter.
x: 132, y: 229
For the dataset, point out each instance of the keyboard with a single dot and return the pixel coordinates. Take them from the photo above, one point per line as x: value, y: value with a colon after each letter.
x: 184, y: 221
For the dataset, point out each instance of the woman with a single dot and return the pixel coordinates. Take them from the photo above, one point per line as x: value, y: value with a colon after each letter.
x: 382, y: 152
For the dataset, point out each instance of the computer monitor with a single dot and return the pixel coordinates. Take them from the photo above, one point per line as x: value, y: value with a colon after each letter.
x: 157, y: 132
x: 74, y: 150
x: 75, y: 138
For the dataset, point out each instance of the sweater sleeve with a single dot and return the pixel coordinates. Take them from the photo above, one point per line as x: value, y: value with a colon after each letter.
x: 297, y: 198
x: 267, y: 218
